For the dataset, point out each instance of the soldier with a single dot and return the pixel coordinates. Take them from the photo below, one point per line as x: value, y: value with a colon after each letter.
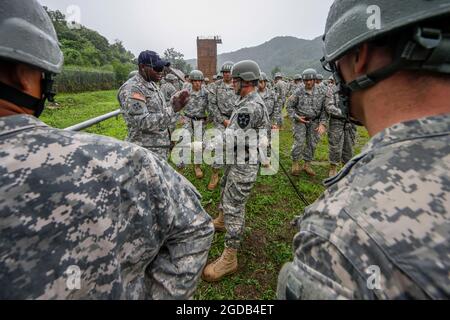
x: 298, y: 80
x: 306, y: 108
x: 146, y: 113
x: 274, y: 113
x: 222, y: 99
x: 320, y: 85
x: 281, y: 90
x: 268, y: 97
x: 197, y: 110
x: 187, y: 83
x: 238, y: 180
x: 341, y: 132
x: 168, y: 89
x: 382, y: 228
x: 83, y: 216
x: 331, y: 81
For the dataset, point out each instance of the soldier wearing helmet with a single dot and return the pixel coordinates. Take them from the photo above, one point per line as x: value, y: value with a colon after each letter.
x: 249, y: 114
x: 319, y: 83
x: 196, y: 111
x: 269, y: 99
x: 71, y: 203
x: 306, y: 108
x: 222, y: 99
x: 382, y: 230
x: 298, y: 80
x: 281, y: 90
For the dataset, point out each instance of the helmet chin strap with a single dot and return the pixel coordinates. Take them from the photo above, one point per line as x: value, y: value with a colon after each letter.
x: 24, y: 100
x: 424, y: 49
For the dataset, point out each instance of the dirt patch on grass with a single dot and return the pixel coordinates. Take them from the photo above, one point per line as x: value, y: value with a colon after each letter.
x: 263, y: 189
x: 253, y: 264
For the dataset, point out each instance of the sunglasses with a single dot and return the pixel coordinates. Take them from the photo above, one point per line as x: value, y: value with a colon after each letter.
x: 157, y: 69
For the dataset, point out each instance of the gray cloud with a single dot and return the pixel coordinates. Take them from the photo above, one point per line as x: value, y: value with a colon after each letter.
x: 161, y: 24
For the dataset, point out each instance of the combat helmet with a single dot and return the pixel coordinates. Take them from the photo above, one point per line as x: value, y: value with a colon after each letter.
x: 196, y: 75
x: 227, y: 66
x: 246, y: 70
x: 171, y: 78
x: 419, y: 44
x: 278, y: 75
x: 263, y: 77
x: 28, y: 36
x: 309, y: 74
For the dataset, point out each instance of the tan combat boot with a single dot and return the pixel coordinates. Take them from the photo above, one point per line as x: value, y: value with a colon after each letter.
x: 333, y: 171
x: 198, y: 171
x: 296, y: 168
x: 219, y: 222
x: 225, y: 265
x: 214, y: 180
x: 308, y: 169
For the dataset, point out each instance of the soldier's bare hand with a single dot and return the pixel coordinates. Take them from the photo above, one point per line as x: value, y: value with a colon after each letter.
x: 226, y: 123
x: 321, y: 129
x: 302, y: 120
x: 180, y: 100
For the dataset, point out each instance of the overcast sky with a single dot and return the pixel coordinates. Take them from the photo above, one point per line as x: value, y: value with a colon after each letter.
x: 161, y: 24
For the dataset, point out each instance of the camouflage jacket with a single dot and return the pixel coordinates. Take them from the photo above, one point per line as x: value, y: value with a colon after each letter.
x: 146, y: 113
x: 382, y: 228
x: 333, y: 107
x: 281, y: 91
x: 249, y: 113
x: 273, y: 109
x: 307, y: 104
x: 89, y: 217
x: 198, y: 105
x: 168, y: 90
x: 222, y: 99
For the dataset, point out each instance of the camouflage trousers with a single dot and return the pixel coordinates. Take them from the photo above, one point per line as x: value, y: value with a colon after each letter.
x: 305, y: 141
x: 193, y: 126
x: 341, y: 138
x: 221, y: 128
x: 236, y: 184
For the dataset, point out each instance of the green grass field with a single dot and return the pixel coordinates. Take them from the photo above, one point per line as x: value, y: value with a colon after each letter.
x: 271, y: 208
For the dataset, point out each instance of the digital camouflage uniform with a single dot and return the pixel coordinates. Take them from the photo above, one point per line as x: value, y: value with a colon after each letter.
x: 238, y: 179
x: 222, y: 99
x: 196, y: 114
x: 169, y: 90
x: 134, y: 227
x: 147, y: 115
x: 312, y: 106
x: 273, y: 110
x: 281, y: 91
x: 387, y: 209
x: 341, y: 133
